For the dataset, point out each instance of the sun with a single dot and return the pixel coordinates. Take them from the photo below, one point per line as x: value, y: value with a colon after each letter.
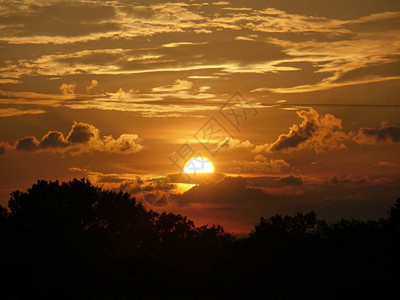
x: 198, y: 165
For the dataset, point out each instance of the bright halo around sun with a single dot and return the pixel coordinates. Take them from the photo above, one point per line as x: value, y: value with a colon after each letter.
x: 198, y: 165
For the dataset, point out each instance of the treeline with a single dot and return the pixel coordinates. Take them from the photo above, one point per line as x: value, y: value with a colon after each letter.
x: 75, y: 240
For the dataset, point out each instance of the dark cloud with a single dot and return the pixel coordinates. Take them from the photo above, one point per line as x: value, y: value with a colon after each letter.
x: 53, y: 139
x: 261, y: 165
x: 27, y: 144
x: 82, y: 137
x: 156, y: 192
x: 232, y: 201
x: 276, y: 181
x: 4, y: 147
x: 82, y: 133
x: 240, y: 201
x: 289, y: 180
x: 385, y: 133
x: 62, y: 19
x: 229, y: 189
x: 196, y: 178
x: 321, y: 133
x: 295, y: 137
x: 350, y: 180
x: 110, y: 179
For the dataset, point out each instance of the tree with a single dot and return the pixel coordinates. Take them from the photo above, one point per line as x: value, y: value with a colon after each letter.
x: 298, y: 226
x: 73, y: 237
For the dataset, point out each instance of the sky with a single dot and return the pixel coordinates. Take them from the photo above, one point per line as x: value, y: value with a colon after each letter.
x: 295, y: 103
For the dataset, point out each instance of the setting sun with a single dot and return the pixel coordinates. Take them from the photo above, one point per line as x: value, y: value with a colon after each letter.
x: 198, y: 165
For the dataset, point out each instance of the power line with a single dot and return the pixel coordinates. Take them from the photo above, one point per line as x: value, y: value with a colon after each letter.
x: 335, y: 104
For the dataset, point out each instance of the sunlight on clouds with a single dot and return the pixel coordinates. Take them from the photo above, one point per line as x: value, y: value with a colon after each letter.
x: 68, y: 89
x: 82, y: 138
x: 93, y: 84
x: 321, y: 133
x: 261, y: 165
x: 9, y: 112
x: 179, y: 85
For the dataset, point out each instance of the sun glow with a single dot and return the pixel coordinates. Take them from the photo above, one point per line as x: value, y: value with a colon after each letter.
x: 198, y: 165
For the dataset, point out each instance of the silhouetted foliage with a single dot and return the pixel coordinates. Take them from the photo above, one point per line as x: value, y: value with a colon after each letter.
x: 75, y: 240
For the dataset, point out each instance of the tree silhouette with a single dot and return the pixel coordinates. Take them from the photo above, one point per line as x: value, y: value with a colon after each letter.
x: 75, y: 240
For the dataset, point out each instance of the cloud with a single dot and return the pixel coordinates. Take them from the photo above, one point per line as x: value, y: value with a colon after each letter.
x: 227, y: 55
x: 93, y: 84
x: 229, y: 144
x: 289, y: 193
x: 179, y: 85
x: 127, y: 182
x: 53, y: 139
x: 319, y: 133
x: 289, y: 180
x: 385, y: 133
x: 82, y: 133
x: 220, y: 3
x: 178, y: 44
x: 69, y: 22
x: 156, y: 190
x: 27, y: 144
x: 357, y: 180
x: 12, y: 81
x: 10, y: 112
x: 261, y: 165
x: 386, y: 164
x: 242, y: 200
x: 126, y: 143
x: 82, y: 138
x: 228, y: 189
x: 56, y: 20
x: 337, y: 48
x: 4, y: 147
x: 29, y: 98
x: 67, y: 89
x: 239, y: 200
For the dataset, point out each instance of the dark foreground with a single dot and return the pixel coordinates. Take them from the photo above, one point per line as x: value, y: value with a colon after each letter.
x: 74, y: 240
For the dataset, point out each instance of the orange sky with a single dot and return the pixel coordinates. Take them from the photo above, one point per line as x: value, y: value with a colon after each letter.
x: 110, y: 90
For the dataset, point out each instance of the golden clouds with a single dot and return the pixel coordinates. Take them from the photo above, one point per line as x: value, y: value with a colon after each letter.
x: 9, y: 112
x: 71, y: 22
x: 67, y: 89
x: 261, y: 165
x: 316, y: 132
x: 82, y: 138
x: 229, y: 144
x: 179, y: 85
x: 93, y: 84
